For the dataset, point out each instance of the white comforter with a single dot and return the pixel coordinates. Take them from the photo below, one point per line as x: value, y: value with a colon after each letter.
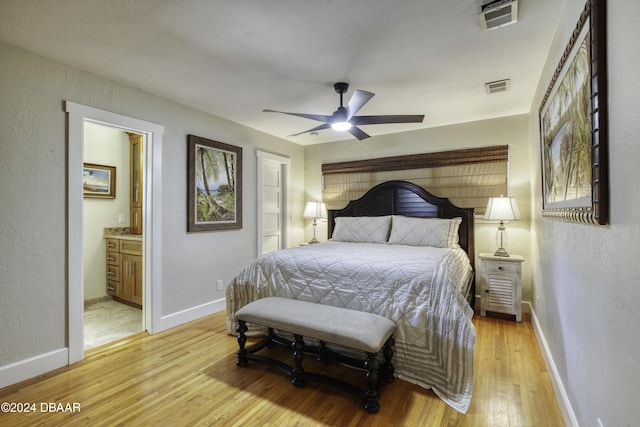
x: 416, y: 287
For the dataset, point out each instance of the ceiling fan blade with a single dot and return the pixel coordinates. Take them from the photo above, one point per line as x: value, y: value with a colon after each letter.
x: 317, y: 128
x: 358, y: 133
x: 357, y: 101
x: 317, y: 117
x: 379, y: 120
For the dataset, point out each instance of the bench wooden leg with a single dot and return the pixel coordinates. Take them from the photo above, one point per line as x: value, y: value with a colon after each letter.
x: 371, y: 395
x: 388, y: 368
x: 322, y: 353
x: 297, y: 374
x: 272, y: 336
x: 241, y: 354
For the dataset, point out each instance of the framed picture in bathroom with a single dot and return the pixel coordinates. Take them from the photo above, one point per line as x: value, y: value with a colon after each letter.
x: 99, y: 181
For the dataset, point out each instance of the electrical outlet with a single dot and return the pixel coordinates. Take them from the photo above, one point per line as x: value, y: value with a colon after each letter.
x: 219, y: 284
x: 121, y: 218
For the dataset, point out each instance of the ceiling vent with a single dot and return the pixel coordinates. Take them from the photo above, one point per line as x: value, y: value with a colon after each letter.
x: 497, y: 86
x: 498, y: 14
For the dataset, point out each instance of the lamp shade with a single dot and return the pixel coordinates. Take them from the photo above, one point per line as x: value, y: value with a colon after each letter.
x: 502, y: 209
x: 315, y: 210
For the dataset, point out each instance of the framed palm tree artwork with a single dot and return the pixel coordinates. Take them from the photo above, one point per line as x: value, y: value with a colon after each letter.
x: 214, y: 184
x: 573, y: 127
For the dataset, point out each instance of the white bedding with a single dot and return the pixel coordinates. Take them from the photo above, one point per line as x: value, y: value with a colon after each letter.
x: 416, y: 287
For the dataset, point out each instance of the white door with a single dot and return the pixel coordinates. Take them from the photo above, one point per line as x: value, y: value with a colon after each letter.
x: 272, y: 202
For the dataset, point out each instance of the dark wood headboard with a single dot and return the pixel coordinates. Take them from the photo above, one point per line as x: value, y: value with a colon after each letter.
x: 405, y: 198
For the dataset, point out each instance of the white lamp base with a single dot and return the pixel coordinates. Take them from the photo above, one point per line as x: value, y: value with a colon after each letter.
x: 314, y: 240
x: 501, y: 240
x: 501, y: 252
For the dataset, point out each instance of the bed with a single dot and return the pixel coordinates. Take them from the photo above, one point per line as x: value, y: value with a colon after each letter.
x: 419, y: 274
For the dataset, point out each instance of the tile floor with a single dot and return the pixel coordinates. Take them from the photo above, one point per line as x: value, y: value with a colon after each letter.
x: 107, y: 320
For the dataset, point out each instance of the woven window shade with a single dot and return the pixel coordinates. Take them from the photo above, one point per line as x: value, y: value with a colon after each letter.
x: 466, y: 177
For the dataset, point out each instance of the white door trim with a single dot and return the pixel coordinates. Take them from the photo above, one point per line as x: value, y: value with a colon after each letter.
x: 77, y: 115
x: 285, y: 162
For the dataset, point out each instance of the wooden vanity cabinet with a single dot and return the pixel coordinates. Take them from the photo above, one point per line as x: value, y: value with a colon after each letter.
x: 113, y: 267
x: 124, y: 270
x: 135, y: 172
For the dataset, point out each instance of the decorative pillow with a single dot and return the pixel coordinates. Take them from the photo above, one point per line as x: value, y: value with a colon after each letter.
x: 436, y: 232
x: 362, y: 229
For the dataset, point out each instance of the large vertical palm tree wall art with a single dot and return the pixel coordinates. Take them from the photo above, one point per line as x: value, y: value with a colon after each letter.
x: 573, y: 127
x: 214, y: 185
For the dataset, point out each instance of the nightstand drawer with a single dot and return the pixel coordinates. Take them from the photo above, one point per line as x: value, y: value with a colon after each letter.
x: 500, y: 267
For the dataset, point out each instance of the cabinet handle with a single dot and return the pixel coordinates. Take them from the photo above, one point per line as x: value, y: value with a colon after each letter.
x: 110, y: 258
x: 111, y: 273
x: 109, y: 288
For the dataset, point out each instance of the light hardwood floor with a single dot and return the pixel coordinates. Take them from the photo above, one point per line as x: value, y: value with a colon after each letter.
x: 187, y: 376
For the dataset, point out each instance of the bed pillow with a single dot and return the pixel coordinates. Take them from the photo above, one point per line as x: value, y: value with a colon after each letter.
x: 436, y: 232
x: 362, y: 229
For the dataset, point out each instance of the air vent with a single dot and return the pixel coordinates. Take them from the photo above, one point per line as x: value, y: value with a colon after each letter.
x: 497, y: 86
x: 498, y: 14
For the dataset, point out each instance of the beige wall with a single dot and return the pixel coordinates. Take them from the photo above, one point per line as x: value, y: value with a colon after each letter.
x: 586, y: 279
x: 33, y: 283
x: 512, y: 131
x: 105, y: 146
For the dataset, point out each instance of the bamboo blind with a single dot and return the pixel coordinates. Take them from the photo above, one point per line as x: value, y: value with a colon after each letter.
x: 466, y: 177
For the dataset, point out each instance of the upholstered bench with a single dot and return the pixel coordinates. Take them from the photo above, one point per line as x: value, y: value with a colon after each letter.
x: 352, y: 329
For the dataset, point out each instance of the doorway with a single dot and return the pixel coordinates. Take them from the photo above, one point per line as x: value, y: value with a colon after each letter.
x: 78, y: 116
x: 112, y: 234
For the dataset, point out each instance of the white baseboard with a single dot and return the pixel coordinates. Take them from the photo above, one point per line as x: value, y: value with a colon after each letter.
x: 38, y: 365
x: 181, y: 317
x: 32, y: 367
x: 558, y: 386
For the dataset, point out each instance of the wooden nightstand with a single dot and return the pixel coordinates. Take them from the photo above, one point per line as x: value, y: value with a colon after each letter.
x: 501, y: 284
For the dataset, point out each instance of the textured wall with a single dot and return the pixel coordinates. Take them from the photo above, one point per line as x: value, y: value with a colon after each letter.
x: 32, y: 210
x: 33, y: 198
x: 586, y: 278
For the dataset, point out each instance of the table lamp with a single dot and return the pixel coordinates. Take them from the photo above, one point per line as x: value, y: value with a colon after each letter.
x: 314, y: 210
x: 502, y: 209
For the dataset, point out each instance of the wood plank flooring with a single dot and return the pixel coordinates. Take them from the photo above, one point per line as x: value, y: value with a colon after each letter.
x: 187, y: 377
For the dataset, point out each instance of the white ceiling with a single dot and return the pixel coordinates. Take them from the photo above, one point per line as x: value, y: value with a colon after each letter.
x: 234, y: 58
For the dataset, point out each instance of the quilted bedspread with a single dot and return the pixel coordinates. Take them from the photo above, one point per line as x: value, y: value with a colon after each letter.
x: 416, y: 287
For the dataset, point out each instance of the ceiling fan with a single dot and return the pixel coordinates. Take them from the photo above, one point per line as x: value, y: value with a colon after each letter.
x: 344, y: 118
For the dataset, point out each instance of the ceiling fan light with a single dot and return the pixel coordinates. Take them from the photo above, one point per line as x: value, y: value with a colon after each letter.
x: 341, y: 126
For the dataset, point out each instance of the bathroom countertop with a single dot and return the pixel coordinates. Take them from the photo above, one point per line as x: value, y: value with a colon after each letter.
x: 122, y: 233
